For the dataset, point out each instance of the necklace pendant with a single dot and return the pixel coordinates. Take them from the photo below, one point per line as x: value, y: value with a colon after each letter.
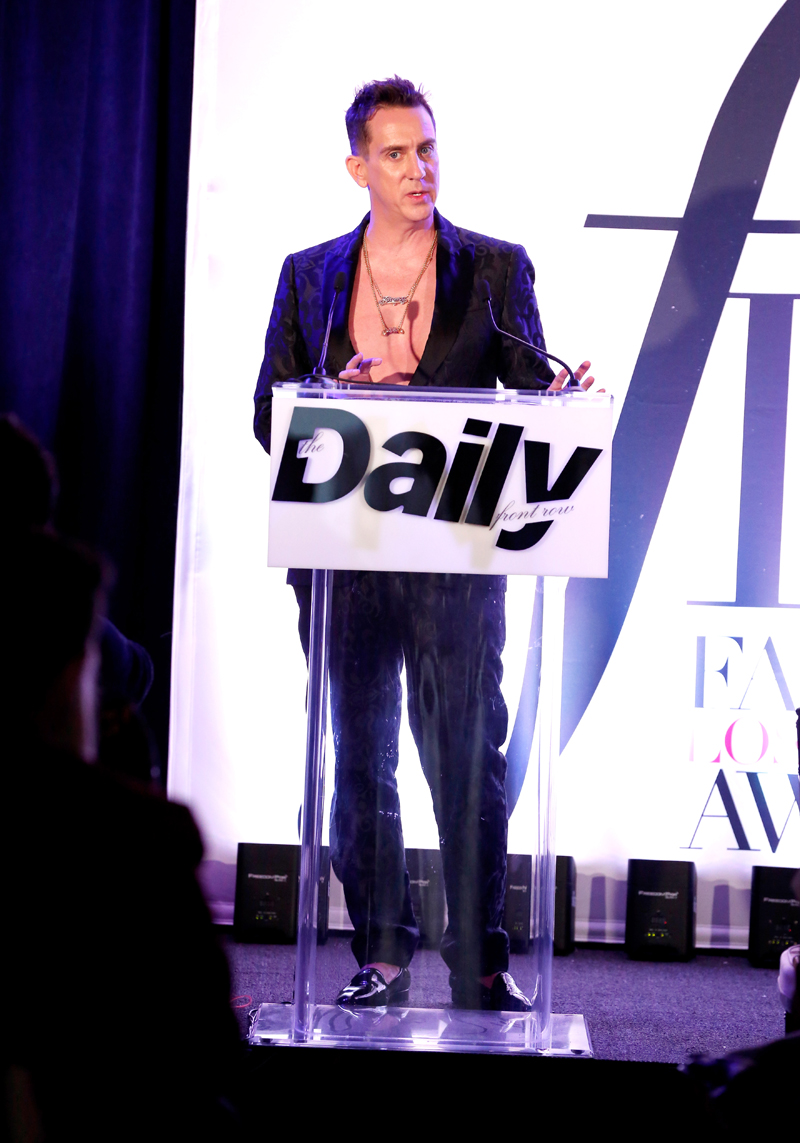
x: 387, y: 301
x: 393, y: 329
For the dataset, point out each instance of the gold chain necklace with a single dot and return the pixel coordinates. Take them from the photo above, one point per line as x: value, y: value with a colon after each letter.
x: 382, y: 299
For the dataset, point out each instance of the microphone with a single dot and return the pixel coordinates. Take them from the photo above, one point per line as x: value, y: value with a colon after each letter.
x: 485, y: 295
x: 338, y: 286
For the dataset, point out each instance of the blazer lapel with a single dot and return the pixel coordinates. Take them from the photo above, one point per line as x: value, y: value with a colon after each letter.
x: 342, y: 256
x: 455, y: 270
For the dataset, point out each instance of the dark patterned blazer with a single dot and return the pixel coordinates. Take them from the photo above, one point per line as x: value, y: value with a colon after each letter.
x: 462, y: 349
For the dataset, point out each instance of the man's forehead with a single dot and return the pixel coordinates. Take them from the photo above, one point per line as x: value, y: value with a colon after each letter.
x: 399, y: 125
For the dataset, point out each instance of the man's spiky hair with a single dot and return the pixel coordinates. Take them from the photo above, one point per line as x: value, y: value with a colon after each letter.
x: 394, y: 92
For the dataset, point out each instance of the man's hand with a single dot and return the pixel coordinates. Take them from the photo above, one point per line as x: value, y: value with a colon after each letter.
x: 358, y: 367
x: 559, y: 381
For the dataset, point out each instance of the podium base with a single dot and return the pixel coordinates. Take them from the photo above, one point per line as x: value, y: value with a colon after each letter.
x: 424, y: 1029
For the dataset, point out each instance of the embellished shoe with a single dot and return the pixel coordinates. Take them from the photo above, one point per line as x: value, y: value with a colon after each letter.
x: 368, y: 989
x: 503, y: 996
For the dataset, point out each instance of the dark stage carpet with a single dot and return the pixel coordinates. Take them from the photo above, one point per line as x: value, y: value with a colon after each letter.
x: 635, y: 1010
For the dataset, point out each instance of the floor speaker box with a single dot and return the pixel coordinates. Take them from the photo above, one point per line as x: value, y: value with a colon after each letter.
x: 564, y: 921
x: 517, y: 915
x: 268, y: 891
x: 427, y: 894
x: 774, y: 915
x: 661, y: 910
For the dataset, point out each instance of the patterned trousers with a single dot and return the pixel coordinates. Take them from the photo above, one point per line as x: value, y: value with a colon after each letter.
x: 449, y: 631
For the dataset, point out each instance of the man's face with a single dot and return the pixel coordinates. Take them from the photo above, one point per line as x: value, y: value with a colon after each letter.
x: 401, y: 166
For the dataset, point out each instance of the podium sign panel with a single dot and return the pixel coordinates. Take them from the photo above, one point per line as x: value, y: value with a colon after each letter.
x: 513, y: 484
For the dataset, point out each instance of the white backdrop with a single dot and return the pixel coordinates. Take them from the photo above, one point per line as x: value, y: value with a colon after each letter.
x: 545, y: 113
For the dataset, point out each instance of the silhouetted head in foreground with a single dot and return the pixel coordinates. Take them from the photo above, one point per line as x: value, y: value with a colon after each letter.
x: 28, y: 482
x: 51, y: 599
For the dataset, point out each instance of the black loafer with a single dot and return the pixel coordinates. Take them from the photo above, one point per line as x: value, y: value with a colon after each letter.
x: 368, y: 989
x: 503, y: 996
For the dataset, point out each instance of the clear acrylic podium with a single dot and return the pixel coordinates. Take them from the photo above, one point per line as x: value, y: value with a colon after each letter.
x: 532, y: 742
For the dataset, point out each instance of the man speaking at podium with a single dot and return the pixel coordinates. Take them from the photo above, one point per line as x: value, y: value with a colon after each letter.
x: 408, y: 309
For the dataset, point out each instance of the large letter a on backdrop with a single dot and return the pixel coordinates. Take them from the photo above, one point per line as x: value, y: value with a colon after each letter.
x: 711, y: 235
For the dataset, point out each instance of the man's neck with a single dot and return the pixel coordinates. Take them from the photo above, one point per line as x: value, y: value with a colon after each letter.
x: 392, y: 235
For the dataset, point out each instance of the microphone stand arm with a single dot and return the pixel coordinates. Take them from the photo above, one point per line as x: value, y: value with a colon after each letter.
x: 573, y: 382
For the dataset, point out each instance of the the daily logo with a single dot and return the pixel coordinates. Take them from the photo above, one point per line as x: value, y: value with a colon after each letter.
x: 425, y: 486
x: 306, y: 435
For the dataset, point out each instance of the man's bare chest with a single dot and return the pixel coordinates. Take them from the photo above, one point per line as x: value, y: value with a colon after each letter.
x: 368, y: 322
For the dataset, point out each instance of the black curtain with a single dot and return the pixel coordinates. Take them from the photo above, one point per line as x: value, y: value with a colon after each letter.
x: 95, y: 114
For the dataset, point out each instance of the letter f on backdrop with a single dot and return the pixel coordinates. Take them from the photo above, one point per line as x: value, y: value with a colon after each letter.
x: 709, y: 243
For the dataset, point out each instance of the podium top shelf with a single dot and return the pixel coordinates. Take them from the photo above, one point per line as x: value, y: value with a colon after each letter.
x: 327, y: 388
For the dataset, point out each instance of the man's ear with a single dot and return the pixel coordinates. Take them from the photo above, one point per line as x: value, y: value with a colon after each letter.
x: 357, y: 169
